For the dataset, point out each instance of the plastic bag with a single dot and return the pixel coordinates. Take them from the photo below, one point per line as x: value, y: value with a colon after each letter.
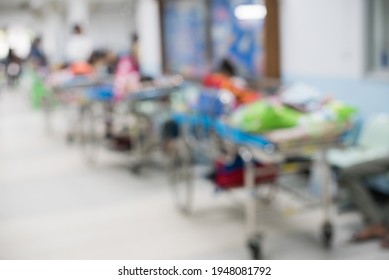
x: 263, y: 116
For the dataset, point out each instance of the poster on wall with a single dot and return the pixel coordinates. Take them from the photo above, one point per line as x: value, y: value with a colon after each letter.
x: 237, y: 34
x: 185, y: 42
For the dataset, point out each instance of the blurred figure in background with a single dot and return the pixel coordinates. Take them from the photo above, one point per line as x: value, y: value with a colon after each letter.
x: 104, y: 61
x: 111, y: 61
x: 127, y: 76
x: 226, y: 77
x: 127, y: 79
x: 134, y: 52
x: 98, y: 61
x: 13, y: 66
x: 37, y: 55
x: 79, y: 49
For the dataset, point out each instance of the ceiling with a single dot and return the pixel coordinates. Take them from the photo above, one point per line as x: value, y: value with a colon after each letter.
x: 37, y: 4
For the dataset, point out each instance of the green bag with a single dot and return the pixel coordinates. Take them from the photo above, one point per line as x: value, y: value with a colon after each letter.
x: 263, y: 116
x: 342, y: 111
x: 39, y: 91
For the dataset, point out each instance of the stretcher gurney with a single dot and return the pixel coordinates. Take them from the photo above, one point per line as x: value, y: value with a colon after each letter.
x: 258, y: 148
x: 140, y: 110
x: 70, y: 93
x: 273, y: 150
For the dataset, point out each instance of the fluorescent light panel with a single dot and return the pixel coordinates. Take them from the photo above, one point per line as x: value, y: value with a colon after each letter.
x: 250, y: 12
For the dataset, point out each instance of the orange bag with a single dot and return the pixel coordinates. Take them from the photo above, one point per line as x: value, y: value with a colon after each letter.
x: 220, y: 81
x: 81, y: 68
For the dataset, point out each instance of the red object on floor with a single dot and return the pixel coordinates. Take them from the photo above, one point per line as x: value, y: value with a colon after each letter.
x: 235, y: 178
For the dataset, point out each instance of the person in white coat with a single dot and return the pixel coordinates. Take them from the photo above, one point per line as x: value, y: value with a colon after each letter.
x: 79, y: 46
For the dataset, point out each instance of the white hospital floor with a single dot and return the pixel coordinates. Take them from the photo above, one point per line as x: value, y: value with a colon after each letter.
x: 53, y: 205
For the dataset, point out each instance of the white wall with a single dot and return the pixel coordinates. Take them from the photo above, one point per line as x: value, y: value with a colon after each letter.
x: 47, y: 24
x: 77, y: 12
x: 109, y: 24
x: 110, y: 30
x: 147, y: 22
x: 19, y: 17
x: 322, y: 38
x: 54, y: 34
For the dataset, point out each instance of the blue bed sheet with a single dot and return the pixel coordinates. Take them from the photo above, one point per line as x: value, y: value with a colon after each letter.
x: 225, y: 131
x: 101, y: 93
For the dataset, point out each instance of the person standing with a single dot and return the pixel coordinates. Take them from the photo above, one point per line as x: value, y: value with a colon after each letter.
x: 37, y: 55
x: 79, y: 49
x: 13, y: 66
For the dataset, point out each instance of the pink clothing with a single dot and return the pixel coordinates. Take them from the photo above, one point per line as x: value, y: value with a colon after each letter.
x: 127, y: 78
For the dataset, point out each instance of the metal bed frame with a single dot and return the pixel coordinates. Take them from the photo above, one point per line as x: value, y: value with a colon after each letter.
x: 71, y: 96
x: 252, y: 148
x: 144, y: 142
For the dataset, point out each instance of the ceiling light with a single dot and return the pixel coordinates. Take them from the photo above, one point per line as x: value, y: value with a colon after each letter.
x: 250, y: 12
